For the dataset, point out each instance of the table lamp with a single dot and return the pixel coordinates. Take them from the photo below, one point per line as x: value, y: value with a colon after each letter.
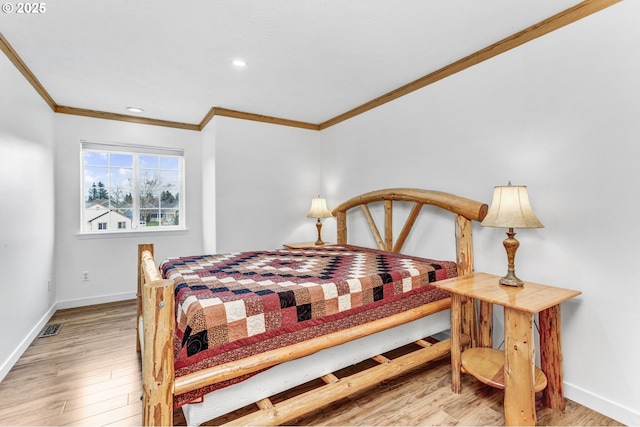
x: 510, y: 208
x: 319, y: 210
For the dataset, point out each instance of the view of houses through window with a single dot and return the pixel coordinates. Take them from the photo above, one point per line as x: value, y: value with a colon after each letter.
x: 129, y: 188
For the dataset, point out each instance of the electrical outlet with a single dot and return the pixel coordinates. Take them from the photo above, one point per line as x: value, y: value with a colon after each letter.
x: 85, y: 276
x: 49, y: 285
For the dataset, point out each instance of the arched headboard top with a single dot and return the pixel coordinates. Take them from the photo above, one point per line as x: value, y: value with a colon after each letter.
x: 465, y: 210
x: 468, y: 208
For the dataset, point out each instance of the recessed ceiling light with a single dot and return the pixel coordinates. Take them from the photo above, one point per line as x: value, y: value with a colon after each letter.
x: 239, y: 63
x: 135, y: 109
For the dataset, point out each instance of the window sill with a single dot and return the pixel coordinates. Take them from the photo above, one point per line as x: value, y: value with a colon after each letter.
x: 136, y: 233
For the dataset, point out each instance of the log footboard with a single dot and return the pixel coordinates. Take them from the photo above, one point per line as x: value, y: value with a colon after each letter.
x: 155, y: 297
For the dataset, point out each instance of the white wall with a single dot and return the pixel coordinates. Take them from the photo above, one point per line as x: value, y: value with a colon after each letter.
x: 266, y: 176
x: 111, y: 261
x: 559, y: 115
x: 208, y: 153
x: 26, y: 219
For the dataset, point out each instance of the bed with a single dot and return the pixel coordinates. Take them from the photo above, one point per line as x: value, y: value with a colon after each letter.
x: 296, y: 315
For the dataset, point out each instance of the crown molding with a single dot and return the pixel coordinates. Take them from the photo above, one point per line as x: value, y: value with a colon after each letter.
x: 124, y: 118
x: 566, y: 17
x: 224, y: 112
x: 13, y: 56
x: 26, y: 72
x: 546, y: 26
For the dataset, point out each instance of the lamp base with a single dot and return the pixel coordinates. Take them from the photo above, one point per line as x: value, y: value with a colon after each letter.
x: 319, y: 242
x: 511, y: 280
x: 511, y: 245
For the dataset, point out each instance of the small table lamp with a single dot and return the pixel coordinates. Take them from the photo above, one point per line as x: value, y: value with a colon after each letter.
x: 510, y: 208
x: 319, y: 210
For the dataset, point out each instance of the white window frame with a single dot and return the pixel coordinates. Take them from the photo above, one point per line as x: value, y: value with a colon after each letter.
x: 136, y: 151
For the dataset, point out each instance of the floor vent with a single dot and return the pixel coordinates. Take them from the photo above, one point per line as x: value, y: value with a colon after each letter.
x: 50, y: 330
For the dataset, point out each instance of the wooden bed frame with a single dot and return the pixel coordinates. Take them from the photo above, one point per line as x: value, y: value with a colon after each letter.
x: 156, y: 308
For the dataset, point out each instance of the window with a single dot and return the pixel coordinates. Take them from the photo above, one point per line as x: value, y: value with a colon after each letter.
x: 129, y: 188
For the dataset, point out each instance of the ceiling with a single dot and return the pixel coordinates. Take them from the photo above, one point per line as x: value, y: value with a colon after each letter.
x: 307, y: 60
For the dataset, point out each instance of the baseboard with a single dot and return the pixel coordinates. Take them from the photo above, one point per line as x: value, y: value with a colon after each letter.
x: 83, y: 302
x: 622, y: 414
x: 26, y: 342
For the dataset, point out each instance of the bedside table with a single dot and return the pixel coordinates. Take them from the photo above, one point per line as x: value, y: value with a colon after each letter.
x: 514, y: 369
x: 304, y: 245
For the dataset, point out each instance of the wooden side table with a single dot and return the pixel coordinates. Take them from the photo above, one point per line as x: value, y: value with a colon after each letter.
x: 514, y: 369
x: 304, y: 245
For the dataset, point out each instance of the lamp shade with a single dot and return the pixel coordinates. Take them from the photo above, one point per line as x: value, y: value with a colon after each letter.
x: 510, y: 208
x: 319, y: 209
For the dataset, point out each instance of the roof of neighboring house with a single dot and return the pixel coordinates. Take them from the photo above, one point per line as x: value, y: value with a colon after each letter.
x: 106, y: 213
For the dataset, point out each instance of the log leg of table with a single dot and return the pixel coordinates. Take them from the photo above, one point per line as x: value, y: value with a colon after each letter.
x: 456, y: 350
x: 469, y: 321
x: 551, y: 357
x: 485, y: 336
x: 519, y: 394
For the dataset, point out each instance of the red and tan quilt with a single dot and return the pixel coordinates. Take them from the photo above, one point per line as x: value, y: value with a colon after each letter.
x: 231, y: 306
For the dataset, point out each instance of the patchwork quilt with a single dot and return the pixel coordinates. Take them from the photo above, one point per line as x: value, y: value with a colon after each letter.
x: 230, y: 306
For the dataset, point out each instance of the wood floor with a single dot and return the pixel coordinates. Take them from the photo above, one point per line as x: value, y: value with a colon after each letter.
x: 89, y: 374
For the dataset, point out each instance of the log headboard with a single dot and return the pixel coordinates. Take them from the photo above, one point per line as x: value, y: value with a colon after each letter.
x: 466, y: 210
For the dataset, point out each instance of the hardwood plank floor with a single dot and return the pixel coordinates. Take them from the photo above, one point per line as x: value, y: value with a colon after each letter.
x: 89, y: 374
